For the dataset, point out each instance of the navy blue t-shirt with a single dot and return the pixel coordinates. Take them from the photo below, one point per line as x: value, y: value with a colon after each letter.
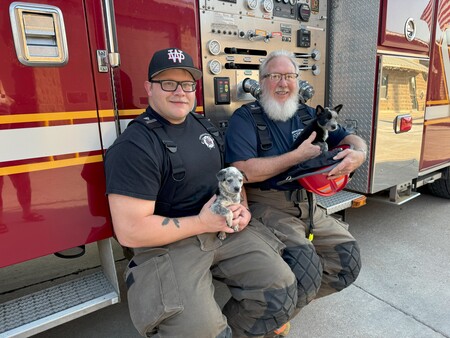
x: 137, y: 165
x: 241, y: 141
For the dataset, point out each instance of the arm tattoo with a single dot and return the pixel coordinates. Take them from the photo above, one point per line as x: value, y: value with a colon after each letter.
x: 167, y: 220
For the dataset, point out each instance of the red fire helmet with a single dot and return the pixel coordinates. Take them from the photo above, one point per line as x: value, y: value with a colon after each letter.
x: 319, y: 184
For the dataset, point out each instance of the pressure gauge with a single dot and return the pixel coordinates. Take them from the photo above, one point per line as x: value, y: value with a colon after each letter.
x: 304, y: 12
x: 268, y: 5
x: 214, y: 47
x: 252, y: 4
x: 215, y: 66
x: 285, y: 1
x: 293, y: 2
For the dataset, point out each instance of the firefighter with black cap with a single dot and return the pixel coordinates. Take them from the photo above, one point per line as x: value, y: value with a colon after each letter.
x: 161, y: 179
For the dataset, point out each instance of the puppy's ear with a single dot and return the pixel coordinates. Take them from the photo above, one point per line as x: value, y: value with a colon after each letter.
x: 319, y: 109
x: 243, y: 174
x: 338, y: 108
x: 221, y: 175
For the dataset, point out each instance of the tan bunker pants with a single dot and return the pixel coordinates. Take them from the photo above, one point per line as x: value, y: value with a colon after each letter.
x: 329, y: 263
x: 171, y: 294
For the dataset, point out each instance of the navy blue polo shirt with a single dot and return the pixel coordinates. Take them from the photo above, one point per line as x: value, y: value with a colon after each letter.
x: 241, y: 141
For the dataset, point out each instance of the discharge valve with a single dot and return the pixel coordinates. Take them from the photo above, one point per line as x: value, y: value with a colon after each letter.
x: 315, y: 55
x: 315, y: 69
x: 254, y: 36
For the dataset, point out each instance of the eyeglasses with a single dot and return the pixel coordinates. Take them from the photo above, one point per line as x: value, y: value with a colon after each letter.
x: 275, y: 77
x: 171, y: 86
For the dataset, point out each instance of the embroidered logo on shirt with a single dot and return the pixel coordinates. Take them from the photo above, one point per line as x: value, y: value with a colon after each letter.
x: 207, y: 140
x: 295, y: 134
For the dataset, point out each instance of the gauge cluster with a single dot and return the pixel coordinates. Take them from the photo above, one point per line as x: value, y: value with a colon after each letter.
x: 269, y: 9
x: 237, y: 35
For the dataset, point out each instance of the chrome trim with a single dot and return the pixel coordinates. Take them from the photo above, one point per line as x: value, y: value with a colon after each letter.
x: 17, y: 10
x: 382, y: 51
x: 396, y: 157
x: 437, y: 112
x: 113, y: 54
x: 111, y: 33
x: 445, y: 56
x: 433, y: 169
x: 410, y: 29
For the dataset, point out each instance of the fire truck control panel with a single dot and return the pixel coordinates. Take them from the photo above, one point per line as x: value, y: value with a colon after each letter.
x: 237, y: 35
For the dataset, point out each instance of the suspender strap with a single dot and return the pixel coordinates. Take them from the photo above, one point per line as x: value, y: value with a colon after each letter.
x: 304, y: 115
x: 265, y: 141
x: 210, y: 128
x: 178, y: 171
x: 310, y: 232
x: 213, y: 131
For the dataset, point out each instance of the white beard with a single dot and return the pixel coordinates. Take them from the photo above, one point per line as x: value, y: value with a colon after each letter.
x: 279, y: 111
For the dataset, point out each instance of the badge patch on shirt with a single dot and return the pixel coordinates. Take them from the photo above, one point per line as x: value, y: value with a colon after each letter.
x: 207, y: 140
x: 295, y: 134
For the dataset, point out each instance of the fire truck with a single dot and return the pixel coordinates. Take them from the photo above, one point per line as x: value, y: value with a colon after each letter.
x: 71, y: 78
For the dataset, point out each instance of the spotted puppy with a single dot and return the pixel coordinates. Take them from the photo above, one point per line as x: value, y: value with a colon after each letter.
x: 325, y: 121
x: 229, y: 192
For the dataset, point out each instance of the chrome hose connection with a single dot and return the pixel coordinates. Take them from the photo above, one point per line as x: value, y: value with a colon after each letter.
x: 305, y: 90
x: 251, y: 86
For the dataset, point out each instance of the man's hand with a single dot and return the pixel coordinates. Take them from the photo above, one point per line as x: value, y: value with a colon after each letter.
x: 306, y: 150
x: 351, y: 160
x: 241, y: 215
x: 211, y: 222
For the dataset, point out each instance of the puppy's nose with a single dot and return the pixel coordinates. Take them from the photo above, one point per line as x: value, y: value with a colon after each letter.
x: 236, y: 189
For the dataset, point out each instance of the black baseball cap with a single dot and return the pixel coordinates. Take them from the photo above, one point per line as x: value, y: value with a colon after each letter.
x: 172, y: 58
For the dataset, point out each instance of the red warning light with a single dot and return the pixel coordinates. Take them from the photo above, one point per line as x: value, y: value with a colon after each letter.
x: 403, y: 123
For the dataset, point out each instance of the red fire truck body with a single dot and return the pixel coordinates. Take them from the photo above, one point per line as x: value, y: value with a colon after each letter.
x: 72, y: 75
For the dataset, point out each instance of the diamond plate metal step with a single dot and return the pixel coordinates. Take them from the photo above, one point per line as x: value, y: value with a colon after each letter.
x: 47, y: 308
x: 339, y: 201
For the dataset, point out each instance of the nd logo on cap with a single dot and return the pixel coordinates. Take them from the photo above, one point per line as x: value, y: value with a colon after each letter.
x: 172, y: 58
x: 176, y: 55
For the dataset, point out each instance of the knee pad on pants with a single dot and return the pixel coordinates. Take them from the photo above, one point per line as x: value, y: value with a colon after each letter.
x: 307, y: 267
x: 350, y: 258
x: 226, y: 333
x: 280, y: 307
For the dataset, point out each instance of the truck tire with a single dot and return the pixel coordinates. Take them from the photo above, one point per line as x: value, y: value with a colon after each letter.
x: 441, y: 187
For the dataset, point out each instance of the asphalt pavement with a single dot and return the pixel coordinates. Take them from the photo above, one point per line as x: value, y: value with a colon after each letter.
x: 402, y: 291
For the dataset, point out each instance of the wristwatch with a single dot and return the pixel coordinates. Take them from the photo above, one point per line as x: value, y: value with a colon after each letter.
x: 364, y: 151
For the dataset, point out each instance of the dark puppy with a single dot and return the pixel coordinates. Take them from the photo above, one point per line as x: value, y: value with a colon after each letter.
x: 230, y: 180
x: 325, y: 121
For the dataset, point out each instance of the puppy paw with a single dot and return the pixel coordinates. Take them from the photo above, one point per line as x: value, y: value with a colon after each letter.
x: 222, y: 235
x: 235, y: 228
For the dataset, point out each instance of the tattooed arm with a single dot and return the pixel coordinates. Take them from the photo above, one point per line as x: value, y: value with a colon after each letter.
x: 136, y: 225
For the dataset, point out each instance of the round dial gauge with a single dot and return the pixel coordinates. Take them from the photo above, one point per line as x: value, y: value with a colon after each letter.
x: 214, y: 47
x: 285, y: 1
x: 215, y: 66
x: 268, y: 5
x: 252, y: 4
x: 293, y: 2
x: 304, y: 12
